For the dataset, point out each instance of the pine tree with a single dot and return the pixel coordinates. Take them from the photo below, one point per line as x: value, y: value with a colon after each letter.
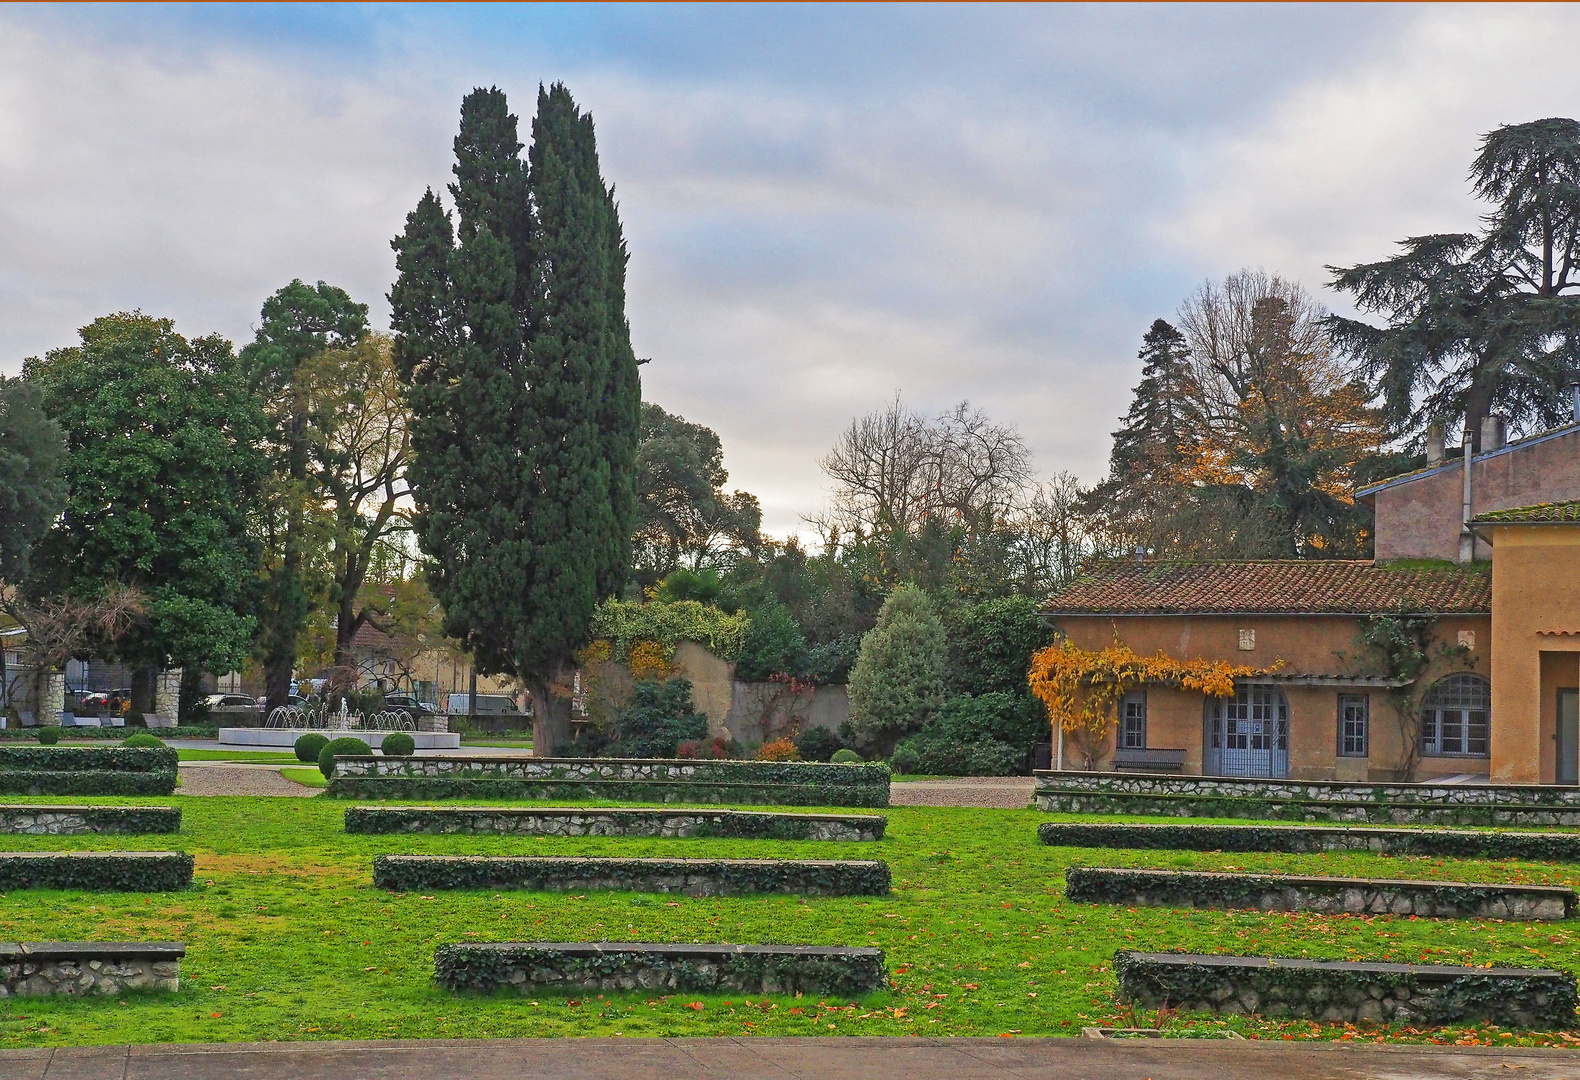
x: 1161, y: 419
x: 524, y: 392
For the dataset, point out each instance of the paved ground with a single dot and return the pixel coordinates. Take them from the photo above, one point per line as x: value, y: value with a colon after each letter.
x: 790, y: 1059
x: 1004, y: 792
x: 219, y: 778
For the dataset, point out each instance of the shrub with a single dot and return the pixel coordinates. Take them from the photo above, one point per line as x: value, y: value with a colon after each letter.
x: 309, y: 746
x: 831, y: 661
x: 345, y: 746
x: 817, y: 744
x: 152, y: 742
x: 846, y: 757
x: 49, y: 736
x: 1017, y: 720
x: 990, y: 645
x: 718, y: 748
x: 774, y: 645
x: 941, y: 756
x: 778, y: 750
x: 398, y: 744
x: 897, y: 684
x: 658, y: 719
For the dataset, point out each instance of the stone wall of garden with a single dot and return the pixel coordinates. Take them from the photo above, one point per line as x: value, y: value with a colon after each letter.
x: 533, y: 967
x: 1338, y: 992
x: 587, y: 821
x: 1330, y: 895
x: 691, y: 877
x: 1307, y: 790
x: 42, y: 968
x: 38, y: 820
x: 1296, y: 839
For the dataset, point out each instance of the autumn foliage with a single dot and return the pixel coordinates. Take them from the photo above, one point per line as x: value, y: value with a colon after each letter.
x: 1082, y: 689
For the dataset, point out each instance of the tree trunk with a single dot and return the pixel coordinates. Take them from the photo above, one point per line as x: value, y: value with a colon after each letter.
x: 551, y: 719
x: 144, y: 677
x: 191, y: 683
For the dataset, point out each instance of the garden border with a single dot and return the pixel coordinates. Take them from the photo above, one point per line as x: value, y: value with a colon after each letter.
x: 1302, y: 839
x: 54, y: 819
x: 693, y: 877
x: 612, y: 821
x: 96, y: 871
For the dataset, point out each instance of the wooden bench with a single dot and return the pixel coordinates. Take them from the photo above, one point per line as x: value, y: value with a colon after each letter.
x: 1149, y: 759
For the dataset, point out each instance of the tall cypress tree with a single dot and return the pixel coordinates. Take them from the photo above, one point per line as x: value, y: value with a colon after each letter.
x: 524, y: 391
x: 1161, y: 417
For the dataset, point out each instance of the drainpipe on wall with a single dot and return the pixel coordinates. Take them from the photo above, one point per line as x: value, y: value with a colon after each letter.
x: 1060, y: 743
x: 1467, y: 539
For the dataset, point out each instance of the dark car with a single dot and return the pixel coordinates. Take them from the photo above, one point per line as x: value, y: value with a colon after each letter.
x: 408, y: 704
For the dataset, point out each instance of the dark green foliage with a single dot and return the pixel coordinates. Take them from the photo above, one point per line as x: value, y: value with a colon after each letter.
x: 1163, y: 422
x: 774, y: 645
x: 96, y: 819
x: 164, y: 476
x: 845, y: 757
x: 151, y: 871
x: 68, y: 758
x: 1185, y: 889
x: 989, y: 735
x: 1390, y: 812
x: 144, y: 740
x: 817, y: 744
x: 345, y: 746
x: 1480, y: 323
x: 1442, y: 843
x: 309, y: 746
x: 990, y: 645
x: 939, y: 755
x: 611, y: 821
x: 486, y: 967
x: 87, y: 782
x: 659, y: 717
x: 683, y: 512
x: 398, y: 744
x: 49, y: 735
x: 523, y: 388
x: 1438, y: 994
x: 695, y: 877
x: 897, y: 685
x: 32, y: 489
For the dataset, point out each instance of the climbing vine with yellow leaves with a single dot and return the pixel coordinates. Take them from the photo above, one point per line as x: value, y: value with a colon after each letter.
x: 1082, y: 688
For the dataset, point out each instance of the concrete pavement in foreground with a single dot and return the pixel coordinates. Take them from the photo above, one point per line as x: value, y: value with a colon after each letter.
x: 830, y: 1058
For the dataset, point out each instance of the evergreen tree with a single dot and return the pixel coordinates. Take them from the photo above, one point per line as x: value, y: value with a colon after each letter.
x: 511, y: 333
x: 32, y: 490
x: 299, y: 322
x: 897, y: 685
x: 1477, y: 323
x: 1153, y: 442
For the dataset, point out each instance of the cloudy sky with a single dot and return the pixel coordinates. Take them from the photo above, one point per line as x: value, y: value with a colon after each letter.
x: 825, y: 205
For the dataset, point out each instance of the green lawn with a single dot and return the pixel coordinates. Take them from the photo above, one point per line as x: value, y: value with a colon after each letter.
x: 484, y: 740
x: 269, y: 756
x: 287, y: 939
x: 308, y: 775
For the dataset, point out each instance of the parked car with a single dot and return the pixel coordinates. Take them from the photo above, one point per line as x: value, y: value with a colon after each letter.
x: 487, y: 705
x: 233, y: 710
x: 408, y: 704
x: 99, y: 703
x: 295, y: 701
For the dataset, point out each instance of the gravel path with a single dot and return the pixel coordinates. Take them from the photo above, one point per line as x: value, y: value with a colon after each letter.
x: 238, y: 780
x: 1000, y: 792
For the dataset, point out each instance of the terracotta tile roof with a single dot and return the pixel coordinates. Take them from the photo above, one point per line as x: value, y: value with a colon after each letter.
x: 1541, y: 514
x: 1282, y: 587
x: 369, y: 636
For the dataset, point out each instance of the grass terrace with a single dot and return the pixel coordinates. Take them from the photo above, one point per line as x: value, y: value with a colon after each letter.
x: 287, y: 939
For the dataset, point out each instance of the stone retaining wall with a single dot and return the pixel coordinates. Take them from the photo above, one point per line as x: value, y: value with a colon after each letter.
x: 584, y: 821
x: 1308, y: 790
x: 78, y: 968
x: 40, y: 820
x: 1330, y: 895
x: 1339, y: 992
x: 1252, y: 806
x: 1296, y: 839
x: 535, y: 967
x: 96, y: 871
x: 693, y: 877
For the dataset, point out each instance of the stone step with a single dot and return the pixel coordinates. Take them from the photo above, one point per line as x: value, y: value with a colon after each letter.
x: 609, y: 821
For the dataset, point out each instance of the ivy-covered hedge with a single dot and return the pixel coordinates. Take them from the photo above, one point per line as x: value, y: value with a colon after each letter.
x: 1339, y: 991
x: 534, y: 967
x: 1333, y: 895
x: 1390, y: 812
x: 57, y: 820
x: 1296, y: 839
x: 612, y: 821
x: 96, y: 871
x: 49, y: 782
x: 469, y: 787
x: 622, y: 622
x: 87, y: 758
x: 694, y: 877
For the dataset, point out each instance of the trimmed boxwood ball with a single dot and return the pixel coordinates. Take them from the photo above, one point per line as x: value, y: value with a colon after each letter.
x: 49, y: 736
x: 345, y: 745
x: 309, y: 746
x: 152, y: 742
x: 398, y: 744
x: 846, y: 757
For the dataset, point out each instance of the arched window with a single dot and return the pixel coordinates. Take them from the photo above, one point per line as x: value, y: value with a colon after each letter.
x: 1456, y: 717
x: 1133, y: 721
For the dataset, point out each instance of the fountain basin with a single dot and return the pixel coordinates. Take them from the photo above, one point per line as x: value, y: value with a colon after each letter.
x: 285, y: 738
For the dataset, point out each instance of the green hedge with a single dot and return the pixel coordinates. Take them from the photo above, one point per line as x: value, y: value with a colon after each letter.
x: 703, y: 877
x: 715, y: 824
x: 1295, y: 839
x: 87, y: 758
x: 539, y: 967
x: 1534, y: 998
x: 1390, y: 812
x: 28, y: 734
x: 45, y: 782
x: 485, y: 787
x: 151, y: 871
x: 98, y: 819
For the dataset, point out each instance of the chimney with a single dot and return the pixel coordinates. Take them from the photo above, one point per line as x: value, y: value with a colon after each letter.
x: 1434, y: 445
x: 1493, y: 433
x: 1141, y: 554
x: 1467, y: 539
x: 1574, y: 390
